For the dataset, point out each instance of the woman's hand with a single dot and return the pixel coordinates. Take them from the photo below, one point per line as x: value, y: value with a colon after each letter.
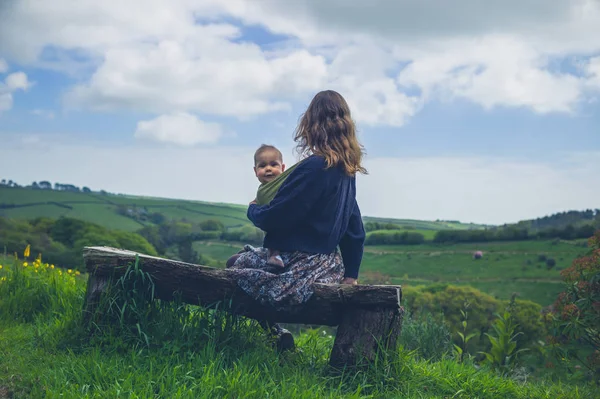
x: 349, y: 280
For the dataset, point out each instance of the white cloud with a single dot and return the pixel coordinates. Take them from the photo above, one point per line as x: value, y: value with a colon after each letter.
x: 492, y: 71
x: 234, y: 79
x: 592, y: 69
x: 477, y: 189
x: 3, y: 66
x: 153, y: 57
x: 179, y: 128
x: 13, y: 82
x: 17, y: 81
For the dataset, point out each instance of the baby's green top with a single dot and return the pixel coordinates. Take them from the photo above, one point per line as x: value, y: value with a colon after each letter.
x: 267, y: 191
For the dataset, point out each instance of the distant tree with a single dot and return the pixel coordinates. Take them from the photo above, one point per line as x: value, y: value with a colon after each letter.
x: 11, y: 183
x: 35, y: 186
x: 587, y: 230
x: 45, y: 185
x: 212, y: 225
x: 57, y: 186
x: 550, y: 263
x: 86, y: 190
x: 3, y: 182
x: 157, y: 218
x: 186, y: 252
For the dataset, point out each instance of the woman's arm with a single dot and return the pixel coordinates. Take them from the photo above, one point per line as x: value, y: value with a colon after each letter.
x: 352, y: 245
x: 292, y: 202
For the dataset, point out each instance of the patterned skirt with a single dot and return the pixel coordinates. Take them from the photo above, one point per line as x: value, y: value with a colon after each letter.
x: 292, y: 285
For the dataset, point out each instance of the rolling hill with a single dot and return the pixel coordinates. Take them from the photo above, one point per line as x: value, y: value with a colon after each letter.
x: 130, y: 213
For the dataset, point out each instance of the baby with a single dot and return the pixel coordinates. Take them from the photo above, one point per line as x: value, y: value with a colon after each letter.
x: 268, y: 164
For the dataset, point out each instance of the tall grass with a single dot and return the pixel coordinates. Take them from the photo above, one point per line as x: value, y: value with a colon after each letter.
x: 427, y: 336
x: 137, y: 347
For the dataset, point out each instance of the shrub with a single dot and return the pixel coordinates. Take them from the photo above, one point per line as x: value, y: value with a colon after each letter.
x: 389, y: 237
x: 574, y: 319
x: 212, y: 225
x: 550, y: 263
x: 450, y: 300
x: 503, y: 355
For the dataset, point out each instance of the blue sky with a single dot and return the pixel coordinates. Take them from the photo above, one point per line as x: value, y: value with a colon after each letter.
x: 487, y: 117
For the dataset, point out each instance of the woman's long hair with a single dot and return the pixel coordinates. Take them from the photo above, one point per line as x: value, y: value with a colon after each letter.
x: 327, y: 129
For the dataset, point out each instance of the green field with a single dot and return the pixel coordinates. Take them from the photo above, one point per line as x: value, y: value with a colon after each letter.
x: 102, y: 209
x: 136, y: 348
x: 505, y: 268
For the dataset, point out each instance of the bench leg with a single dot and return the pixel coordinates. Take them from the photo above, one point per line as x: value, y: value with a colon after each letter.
x: 95, y: 287
x: 362, y: 333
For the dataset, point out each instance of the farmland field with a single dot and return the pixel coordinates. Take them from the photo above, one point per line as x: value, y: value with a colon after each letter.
x: 506, y: 268
x: 102, y: 209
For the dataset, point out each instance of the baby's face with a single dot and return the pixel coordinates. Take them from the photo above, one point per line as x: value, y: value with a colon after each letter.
x: 268, y: 166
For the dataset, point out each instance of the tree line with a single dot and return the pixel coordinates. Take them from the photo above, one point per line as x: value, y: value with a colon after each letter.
x: 569, y: 232
x: 46, y: 185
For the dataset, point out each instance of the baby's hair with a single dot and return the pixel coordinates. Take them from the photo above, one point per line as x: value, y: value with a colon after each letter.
x: 267, y: 147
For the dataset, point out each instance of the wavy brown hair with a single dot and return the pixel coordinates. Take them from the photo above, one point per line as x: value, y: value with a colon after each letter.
x: 327, y: 129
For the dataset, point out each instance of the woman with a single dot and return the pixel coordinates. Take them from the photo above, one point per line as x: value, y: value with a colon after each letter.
x: 313, y: 212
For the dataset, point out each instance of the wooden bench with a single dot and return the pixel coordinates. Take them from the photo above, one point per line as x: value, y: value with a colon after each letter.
x: 369, y: 317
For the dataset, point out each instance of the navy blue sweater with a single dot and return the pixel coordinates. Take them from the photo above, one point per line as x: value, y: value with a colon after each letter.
x: 314, y: 211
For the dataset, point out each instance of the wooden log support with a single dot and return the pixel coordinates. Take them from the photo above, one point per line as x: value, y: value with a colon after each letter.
x: 369, y: 316
x: 363, y: 333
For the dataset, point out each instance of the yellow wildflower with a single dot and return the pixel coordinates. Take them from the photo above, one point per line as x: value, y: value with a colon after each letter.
x: 77, y: 273
x: 26, y: 252
x: 60, y: 272
x: 3, y: 279
x: 25, y: 264
x: 0, y: 266
x: 51, y: 266
x: 69, y: 271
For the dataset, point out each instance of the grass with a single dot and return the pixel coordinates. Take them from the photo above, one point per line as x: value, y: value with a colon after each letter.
x: 192, y: 352
x: 102, y: 209
x: 97, y: 208
x: 506, y: 268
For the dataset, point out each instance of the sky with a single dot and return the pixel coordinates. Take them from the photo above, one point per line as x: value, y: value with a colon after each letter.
x: 483, y: 112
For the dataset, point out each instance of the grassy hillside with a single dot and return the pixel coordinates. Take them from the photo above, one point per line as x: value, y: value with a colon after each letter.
x: 506, y: 268
x: 27, y: 203
x: 150, y: 349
